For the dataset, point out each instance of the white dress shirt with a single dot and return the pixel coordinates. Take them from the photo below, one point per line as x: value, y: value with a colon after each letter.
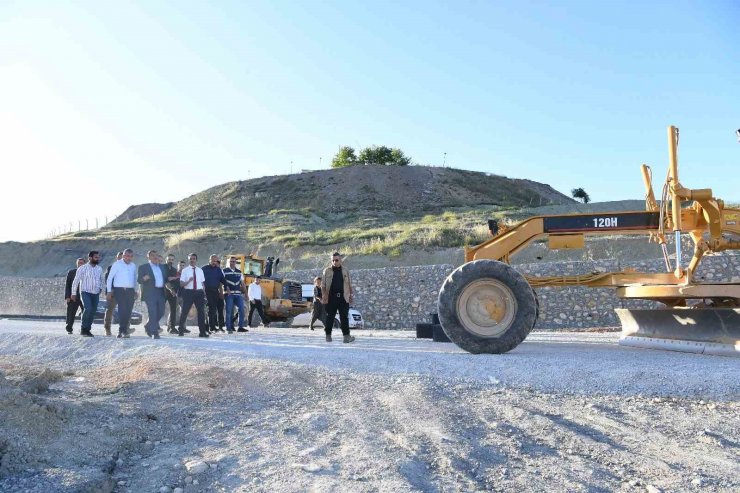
x: 254, y: 292
x: 187, y: 277
x: 158, y: 277
x: 122, y: 275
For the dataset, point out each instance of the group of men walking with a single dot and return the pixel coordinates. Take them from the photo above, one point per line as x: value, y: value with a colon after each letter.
x: 162, y: 285
x: 187, y: 286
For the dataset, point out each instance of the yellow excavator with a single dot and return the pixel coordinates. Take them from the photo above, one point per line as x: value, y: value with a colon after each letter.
x: 485, y: 306
x: 282, y: 298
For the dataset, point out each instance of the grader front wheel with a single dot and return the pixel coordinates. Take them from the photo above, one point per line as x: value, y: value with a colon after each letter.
x: 485, y: 306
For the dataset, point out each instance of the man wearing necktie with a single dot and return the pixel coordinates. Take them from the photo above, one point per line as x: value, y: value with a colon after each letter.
x: 191, y: 282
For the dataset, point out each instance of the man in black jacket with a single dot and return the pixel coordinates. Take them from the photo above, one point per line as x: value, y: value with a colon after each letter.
x: 73, y: 306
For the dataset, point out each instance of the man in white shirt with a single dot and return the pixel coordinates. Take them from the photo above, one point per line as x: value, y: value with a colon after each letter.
x: 122, y: 286
x: 191, y: 289
x: 90, y: 281
x: 255, y: 302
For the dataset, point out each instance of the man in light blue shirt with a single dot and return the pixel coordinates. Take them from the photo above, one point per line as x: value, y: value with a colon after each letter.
x: 122, y: 286
x: 151, y: 277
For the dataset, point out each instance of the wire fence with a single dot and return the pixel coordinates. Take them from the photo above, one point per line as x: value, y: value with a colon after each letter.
x: 87, y: 224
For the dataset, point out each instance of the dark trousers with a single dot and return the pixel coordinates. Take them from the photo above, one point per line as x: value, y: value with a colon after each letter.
x: 337, y: 304
x: 155, y: 309
x: 172, y: 303
x: 125, y: 301
x: 318, y: 313
x: 72, y: 308
x: 257, y: 305
x: 215, y: 309
x: 192, y: 297
x: 90, y: 306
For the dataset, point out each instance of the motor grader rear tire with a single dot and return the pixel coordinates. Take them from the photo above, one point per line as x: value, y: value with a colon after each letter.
x: 485, y: 306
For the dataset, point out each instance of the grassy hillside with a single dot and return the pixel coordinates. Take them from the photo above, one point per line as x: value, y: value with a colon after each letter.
x: 365, y: 210
x: 414, y: 189
x: 378, y: 215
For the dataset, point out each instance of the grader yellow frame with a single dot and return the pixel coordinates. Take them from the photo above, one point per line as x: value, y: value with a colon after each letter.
x: 485, y: 306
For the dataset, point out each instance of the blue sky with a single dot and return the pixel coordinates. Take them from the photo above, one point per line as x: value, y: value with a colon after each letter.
x: 107, y: 104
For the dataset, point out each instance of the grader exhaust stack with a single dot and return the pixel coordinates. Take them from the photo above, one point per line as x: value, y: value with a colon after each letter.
x: 485, y: 306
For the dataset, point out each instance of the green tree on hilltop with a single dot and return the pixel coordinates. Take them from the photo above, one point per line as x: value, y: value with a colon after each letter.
x: 370, y: 155
x: 345, y: 157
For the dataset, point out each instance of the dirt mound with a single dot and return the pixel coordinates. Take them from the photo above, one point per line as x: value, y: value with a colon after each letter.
x: 366, y: 188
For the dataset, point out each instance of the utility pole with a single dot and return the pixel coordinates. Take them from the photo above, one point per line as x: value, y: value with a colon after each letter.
x: 291, y: 167
x: 444, y: 160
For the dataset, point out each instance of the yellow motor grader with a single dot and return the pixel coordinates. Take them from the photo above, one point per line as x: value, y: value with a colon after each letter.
x: 282, y: 298
x: 485, y: 306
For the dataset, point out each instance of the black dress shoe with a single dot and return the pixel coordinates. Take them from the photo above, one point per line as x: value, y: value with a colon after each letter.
x: 242, y: 329
x: 180, y: 334
x: 69, y: 332
x: 203, y: 334
x: 186, y: 331
x: 86, y: 334
x: 156, y: 336
x: 120, y: 336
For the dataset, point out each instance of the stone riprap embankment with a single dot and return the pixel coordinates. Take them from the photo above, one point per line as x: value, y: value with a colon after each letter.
x: 37, y: 296
x: 400, y: 297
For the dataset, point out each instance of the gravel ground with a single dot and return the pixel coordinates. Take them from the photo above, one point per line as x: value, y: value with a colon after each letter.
x: 281, y: 410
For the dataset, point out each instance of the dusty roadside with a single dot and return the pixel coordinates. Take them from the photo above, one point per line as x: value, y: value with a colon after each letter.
x: 241, y: 415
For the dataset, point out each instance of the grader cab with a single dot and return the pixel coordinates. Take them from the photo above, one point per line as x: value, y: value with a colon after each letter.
x: 282, y: 298
x: 485, y: 306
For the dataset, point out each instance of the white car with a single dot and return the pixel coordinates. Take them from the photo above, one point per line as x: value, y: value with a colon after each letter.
x: 355, y: 320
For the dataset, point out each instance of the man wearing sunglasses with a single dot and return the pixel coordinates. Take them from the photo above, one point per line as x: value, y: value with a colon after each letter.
x: 337, y: 295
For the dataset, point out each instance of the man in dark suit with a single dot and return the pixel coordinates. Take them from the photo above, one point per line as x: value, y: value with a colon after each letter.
x: 152, y: 277
x: 73, y: 305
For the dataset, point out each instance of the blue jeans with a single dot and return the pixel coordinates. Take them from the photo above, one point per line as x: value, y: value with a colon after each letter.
x: 230, y: 300
x: 90, y: 306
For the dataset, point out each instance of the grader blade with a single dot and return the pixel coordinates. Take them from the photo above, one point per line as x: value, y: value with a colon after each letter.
x: 713, y: 331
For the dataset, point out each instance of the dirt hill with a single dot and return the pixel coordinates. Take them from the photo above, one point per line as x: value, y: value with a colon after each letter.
x: 379, y: 216
x: 366, y: 188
